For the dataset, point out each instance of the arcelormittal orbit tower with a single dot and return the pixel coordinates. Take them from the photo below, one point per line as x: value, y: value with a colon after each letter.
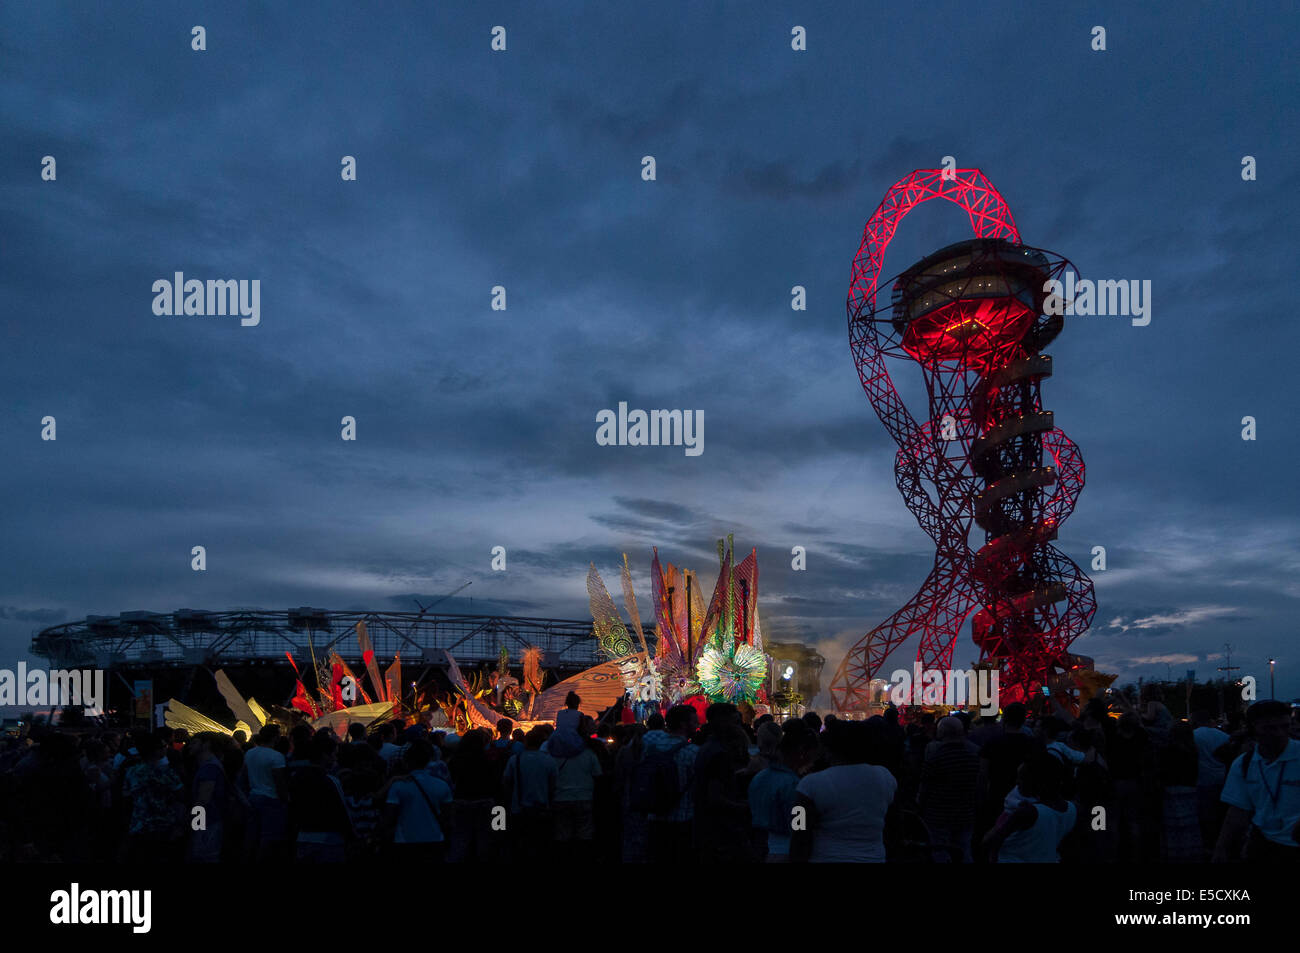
x: 986, y: 472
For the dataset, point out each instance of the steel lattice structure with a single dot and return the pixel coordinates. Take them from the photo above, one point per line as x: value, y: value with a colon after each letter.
x: 972, y: 317
x: 196, y: 637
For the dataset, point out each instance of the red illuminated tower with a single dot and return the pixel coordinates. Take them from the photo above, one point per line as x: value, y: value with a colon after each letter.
x: 987, y: 474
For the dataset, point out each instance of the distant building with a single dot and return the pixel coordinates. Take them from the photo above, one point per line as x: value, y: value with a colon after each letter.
x: 795, y: 667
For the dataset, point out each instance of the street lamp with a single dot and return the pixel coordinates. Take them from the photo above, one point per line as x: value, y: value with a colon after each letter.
x: 1272, y: 692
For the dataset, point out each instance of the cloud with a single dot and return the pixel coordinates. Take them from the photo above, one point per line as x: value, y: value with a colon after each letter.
x: 1177, y: 658
x: 1166, y: 621
x: 660, y: 509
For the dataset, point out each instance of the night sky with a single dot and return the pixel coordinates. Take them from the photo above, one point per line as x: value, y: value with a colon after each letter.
x: 476, y: 428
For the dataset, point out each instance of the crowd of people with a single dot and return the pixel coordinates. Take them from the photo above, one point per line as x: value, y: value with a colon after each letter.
x: 735, y: 789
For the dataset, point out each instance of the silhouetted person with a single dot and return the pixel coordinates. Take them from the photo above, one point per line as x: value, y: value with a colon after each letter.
x: 1180, y: 831
x: 574, y: 807
x: 771, y: 794
x: 475, y: 784
x: 156, y: 792
x: 721, y: 807
x: 947, y: 791
x: 662, y: 786
x: 529, y: 783
x: 317, y: 809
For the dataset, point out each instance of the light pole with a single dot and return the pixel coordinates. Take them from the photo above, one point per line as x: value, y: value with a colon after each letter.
x: 1272, y: 692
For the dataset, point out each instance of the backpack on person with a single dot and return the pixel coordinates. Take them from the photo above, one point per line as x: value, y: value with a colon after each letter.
x: 538, y: 811
x: 654, y: 787
x: 390, y: 834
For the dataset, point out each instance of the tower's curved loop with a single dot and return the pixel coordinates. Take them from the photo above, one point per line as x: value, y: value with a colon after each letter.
x: 989, y: 218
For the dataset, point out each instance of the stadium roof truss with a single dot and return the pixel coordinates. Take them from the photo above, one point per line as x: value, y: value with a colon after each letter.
x: 198, y: 637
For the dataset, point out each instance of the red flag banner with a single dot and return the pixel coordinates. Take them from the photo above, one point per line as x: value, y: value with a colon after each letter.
x: 393, y: 679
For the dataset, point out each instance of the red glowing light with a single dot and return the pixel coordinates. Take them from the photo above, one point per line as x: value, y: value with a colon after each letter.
x: 975, y: 333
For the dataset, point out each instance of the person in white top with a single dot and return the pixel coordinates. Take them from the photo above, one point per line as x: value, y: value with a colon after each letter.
x: 263, y: 776
x: 1031, y: 832
x: 844, y: 806
x: 1262, y: 791
x: 265, y: 767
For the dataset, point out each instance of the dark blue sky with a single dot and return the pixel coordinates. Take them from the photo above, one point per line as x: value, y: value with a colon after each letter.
x: 476, y: 428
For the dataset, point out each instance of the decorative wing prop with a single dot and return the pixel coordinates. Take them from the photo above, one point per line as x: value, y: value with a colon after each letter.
x: 745, y: 587
x: 647, y: 685
x: 598, y: 687
x: 242, y: 710
x: 611, y: 633
x: 368, y: 659
x: 341, y: 719
x: 717, y: 620
x: 301, y: 700
x: 479, y: 714
x: 639, y: 677
x: 629, y: 600
x: 696, y: 617
x: 533, y: 675
x: 346, y: 670
x: 178, y: 715
x: 393, y: 679
x: 670, y: 653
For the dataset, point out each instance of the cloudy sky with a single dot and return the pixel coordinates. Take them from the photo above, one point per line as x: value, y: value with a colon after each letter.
x: 476, y: 428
